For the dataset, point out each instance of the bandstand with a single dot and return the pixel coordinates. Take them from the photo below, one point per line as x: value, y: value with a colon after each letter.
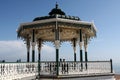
x: 58, y: 27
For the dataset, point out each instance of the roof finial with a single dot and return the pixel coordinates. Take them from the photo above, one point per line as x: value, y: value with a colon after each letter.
x: 56, y: 5
x: 56, y: 10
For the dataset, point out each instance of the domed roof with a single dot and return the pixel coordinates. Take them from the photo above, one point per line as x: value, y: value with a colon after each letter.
x: 56, y: 10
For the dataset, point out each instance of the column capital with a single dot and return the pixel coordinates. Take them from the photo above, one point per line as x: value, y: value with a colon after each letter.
x: 33, y: 45
x: 28, y: 48
x: 39, y: 48
x: 81, y: 44
x: 74, y: 49
x: 85, y: 46
x: 39, y: 43
x: 27, y: 45
x: 57, y: 44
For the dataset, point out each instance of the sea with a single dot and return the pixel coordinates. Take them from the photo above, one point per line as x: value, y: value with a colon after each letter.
x: 116, y: 68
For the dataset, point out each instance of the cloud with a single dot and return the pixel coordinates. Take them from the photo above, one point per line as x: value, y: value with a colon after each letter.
x: 14, y: 49
x: 48, y: 53
x: 11, y: 50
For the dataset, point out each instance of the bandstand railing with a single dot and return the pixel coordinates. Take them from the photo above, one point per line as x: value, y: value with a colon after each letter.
x: 70, y: 67
x: 11, y: 71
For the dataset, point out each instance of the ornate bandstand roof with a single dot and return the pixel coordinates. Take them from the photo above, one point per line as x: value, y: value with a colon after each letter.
x: 57, y: 11
x: 69, y: 27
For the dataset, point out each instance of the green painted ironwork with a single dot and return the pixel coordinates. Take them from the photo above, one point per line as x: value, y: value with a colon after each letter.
x: 81, y: 59
x: 57, y: 62
x: 33, y: 55
x: 86, y: 60
x: 111, y: 66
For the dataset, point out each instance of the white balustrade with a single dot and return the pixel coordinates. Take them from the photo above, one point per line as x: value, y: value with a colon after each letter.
x: 11, y: 71
x: 70, y: 67
x: 93, y: 67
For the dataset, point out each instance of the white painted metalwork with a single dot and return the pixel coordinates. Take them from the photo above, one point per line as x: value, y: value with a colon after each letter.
x: 11, y: 71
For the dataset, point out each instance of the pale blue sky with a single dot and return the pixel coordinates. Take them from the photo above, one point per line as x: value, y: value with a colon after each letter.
x: 104, y: 13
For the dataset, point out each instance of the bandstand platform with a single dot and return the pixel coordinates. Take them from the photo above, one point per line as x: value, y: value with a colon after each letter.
x: 57, y: 28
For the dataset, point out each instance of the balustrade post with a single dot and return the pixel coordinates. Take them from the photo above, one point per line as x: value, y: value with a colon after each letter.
x: 111, y: 65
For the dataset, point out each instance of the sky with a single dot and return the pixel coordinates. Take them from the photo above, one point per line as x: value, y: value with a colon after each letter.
x: 104, y: 13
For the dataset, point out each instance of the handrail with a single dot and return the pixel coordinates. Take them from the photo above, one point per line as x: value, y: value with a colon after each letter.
x: 54, y: 61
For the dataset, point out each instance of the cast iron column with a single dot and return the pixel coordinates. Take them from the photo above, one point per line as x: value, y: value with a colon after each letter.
x: 81, y: 54
x: 86, y: 59
x: 39, y: 57
x: 74, y: 47
x: 33, y: 45
x: 57, y: 57
x: 57, y: 43
x: 28, y: 49
x: 85, y: 46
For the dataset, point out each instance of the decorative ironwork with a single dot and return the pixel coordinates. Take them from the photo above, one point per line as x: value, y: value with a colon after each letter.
x: 22, y: 70
x: 10, y: 71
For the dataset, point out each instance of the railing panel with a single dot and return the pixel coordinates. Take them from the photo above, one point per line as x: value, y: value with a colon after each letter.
x: 17, y: 70
x: 99, y: 67
x: 21, y: 70
x: 92, y: 67
x: 70, y: 67
x: 48, y: 68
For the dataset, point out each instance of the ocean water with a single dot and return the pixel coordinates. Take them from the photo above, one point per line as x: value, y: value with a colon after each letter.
x: 116, y: 68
